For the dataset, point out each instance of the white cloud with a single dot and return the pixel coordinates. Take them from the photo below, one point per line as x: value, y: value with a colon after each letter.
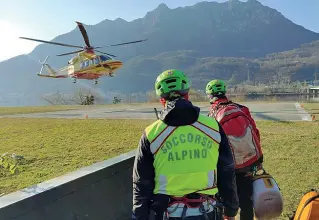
x: 10, y: 44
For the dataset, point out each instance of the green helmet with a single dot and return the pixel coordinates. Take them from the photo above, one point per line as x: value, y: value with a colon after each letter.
x: 216, y: 87
x: 171, y: 83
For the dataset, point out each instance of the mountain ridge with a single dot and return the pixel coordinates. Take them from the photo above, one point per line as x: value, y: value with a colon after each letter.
x: 210, y: 32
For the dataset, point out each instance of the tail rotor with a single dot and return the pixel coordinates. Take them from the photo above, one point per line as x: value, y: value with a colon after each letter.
x: 43, y: 63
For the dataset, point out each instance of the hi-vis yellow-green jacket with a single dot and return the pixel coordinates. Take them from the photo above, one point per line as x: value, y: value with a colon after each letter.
x: 185, y: 157
x: 182, y: 153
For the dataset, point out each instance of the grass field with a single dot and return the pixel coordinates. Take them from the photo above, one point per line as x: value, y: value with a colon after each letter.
x: 291, y: 156
x: 36, y: 109
x: 53, y: 147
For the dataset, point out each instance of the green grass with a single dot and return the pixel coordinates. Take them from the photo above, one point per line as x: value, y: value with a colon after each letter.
x: 291, y: 156
x: 53, y: 147
x: 35, y: 109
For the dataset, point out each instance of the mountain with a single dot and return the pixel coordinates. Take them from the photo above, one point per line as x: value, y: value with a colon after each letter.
x: 297, y: 65
x: 285, y: 67
x: 201, y: 39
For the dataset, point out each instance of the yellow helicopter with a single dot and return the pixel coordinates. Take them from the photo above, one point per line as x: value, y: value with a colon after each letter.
x: 87, y: 64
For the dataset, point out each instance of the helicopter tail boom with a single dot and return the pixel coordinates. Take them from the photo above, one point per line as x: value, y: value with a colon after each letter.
x: 47, y: 66
x: 53, y: 76
x: 51, y: 71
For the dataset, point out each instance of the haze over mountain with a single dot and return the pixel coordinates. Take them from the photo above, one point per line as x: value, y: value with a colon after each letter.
x: 198, y: 39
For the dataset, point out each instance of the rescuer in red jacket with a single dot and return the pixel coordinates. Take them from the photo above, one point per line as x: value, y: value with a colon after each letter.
x: 244, y: 138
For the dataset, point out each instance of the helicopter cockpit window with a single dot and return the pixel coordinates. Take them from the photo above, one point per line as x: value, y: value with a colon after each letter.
x: 96, y: 60
x: 104, y: 58
x: 84, y: 64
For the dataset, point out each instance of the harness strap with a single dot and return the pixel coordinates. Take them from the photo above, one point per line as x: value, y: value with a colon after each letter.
x: 184, y: 212
x: 190, y: 202
x: 204, y: 203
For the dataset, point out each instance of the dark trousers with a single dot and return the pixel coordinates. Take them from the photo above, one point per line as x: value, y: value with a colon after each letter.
x: 245, y: 191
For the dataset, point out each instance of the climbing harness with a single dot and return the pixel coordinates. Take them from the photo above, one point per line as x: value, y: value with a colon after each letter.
x: 203, y: 204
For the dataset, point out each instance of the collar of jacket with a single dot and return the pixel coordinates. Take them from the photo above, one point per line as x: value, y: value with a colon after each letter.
x: 179, y: 112
x: 214, y: 102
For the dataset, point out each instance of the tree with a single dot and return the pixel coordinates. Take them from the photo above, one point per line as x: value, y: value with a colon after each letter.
x: 57, y: 98
x: 116, y: 100
x: 81, y: 96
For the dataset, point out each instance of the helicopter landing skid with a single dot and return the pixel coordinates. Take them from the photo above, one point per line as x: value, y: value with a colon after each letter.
x: 110, y: 71
x: 110, y: 74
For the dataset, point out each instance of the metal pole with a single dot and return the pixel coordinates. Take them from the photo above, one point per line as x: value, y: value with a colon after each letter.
x: 155, y: 110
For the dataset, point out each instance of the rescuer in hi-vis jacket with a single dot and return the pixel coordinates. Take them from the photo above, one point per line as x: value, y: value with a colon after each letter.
x: 184, y: 168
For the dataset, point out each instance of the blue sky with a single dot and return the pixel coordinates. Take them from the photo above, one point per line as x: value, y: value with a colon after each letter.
x: 45, y: 19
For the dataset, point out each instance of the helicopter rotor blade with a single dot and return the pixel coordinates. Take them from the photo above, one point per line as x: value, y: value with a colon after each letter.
x: 63, y: 54
x: 84, y: 33
x: 50, y: 42
x: 105, y: 53
x: 131, y: 42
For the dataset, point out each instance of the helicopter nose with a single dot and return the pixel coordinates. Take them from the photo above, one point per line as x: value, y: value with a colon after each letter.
x: 120, y: 63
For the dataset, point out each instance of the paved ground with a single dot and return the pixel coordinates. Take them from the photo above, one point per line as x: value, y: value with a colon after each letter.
x: 260, y: 111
